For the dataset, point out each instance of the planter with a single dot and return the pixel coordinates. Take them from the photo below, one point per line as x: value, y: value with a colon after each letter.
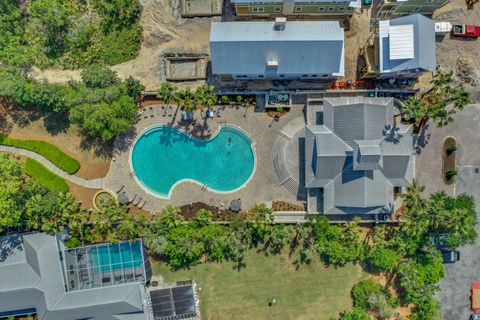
x: 448, y: 161
x: 287, y: 206
x: 102, y: 196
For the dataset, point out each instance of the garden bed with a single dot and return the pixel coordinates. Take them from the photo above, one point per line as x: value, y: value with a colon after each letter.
x: 44, y: 177
x: 449, y: 154
x: 189, y: 211
x: 273, y: 112
x: 286, y: 206
x: 47, y: 150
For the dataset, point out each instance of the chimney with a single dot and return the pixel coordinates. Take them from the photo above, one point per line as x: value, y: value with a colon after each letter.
x: 280, y: 23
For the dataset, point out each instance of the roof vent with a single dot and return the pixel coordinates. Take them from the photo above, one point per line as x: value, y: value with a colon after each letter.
x: 280, y: 23
x: 272, y: 64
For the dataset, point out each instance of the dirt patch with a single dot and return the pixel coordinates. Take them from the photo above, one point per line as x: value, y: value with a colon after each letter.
x: 83, y: 195
x: 286, y: 206
x: 460, y: 55
x: 448, y: 160
x: 94, y: 162
x: 465, y: 70
x: 164, y: 31
x: 355, y: 38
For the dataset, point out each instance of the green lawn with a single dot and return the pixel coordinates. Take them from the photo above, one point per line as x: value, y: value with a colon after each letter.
x: 312, y: 292
x: 48, y: 150
x: 44, y: 177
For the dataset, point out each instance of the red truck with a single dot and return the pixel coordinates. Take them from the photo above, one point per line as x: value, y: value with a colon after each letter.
x: 476, y: 297
x: 466, y: 31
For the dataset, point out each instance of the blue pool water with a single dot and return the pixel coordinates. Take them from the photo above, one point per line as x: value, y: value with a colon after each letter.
x: 163, y: 156
x: 116, y: 256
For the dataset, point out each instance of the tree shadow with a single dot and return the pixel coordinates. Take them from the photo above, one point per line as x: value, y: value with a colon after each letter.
x: 23, y: 117
x: 56, y: 123
x: 8, y: 245
x: 100, y: 148
x: 422, y: 139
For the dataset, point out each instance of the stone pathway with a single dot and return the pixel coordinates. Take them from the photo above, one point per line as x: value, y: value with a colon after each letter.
x: 91, y: 184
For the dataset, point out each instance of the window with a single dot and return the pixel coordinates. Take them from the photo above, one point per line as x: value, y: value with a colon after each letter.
x: 298, y: 9
x: 278, y: 9
x: 242, y: 76
x: 321, y: 9
x: 255, y: 9
x: 341, y: 9
x: 416, y: 9
x: 282, y: 76
x: 314, y: 75
x: 331, y: 9
x: 261, y: 76
x: 304, y: 75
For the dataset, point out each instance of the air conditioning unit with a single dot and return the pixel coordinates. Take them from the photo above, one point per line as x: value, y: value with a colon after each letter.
x: 280, y: 23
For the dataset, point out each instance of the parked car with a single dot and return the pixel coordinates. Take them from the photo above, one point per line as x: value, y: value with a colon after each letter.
x: 450, y: 256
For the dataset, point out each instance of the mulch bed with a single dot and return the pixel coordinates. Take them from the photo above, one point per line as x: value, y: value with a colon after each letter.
x: 189, y: 211
x: 286, y: 206
x: 448, y: 162
x: 272, y: 112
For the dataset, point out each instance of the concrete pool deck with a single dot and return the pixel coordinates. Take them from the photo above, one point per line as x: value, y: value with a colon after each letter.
x: 263, y: 187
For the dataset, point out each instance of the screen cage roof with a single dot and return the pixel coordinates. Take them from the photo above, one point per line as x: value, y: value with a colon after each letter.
x: 104, y: 265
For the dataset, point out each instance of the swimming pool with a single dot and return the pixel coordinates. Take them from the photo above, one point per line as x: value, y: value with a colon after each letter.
x: 163, y: 156
x: 116, y: 256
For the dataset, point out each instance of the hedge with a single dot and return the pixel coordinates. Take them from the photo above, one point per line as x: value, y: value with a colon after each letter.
x: 48, y: 150
x: 44, y: 177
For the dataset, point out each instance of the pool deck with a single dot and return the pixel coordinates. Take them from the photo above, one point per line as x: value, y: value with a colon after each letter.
x: 263, y: 187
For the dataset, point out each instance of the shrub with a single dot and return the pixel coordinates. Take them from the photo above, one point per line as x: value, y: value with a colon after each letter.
x: 44, y: 177
x: 363, y: 291
x: 96, y: 76
x: 384, y: 259
x: 451, y: 149
x: 47, y: 150
x: 355, y: 314
x: 450, y: 174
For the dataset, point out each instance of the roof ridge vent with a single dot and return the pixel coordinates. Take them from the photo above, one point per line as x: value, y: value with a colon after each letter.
x: 280, y: 23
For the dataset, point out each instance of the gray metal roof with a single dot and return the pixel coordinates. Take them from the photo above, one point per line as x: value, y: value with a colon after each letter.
x: 313, y: 47
x: 32, y: 276
x: 358, y: 174
x: 423, y: 44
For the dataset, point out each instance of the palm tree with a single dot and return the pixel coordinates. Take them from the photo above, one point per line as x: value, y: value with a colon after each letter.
x: 167, y: 93
x: 459, y: 98
x: 206, y: 96
x: 171, y: 217
x: 412, y: 197
x: 414, y: 108
x: 186, y: 100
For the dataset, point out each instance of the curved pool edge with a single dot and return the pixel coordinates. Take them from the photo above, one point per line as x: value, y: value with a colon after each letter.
x: 217, y: 131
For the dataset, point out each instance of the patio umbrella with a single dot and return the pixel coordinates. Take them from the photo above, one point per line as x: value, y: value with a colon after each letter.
x: 235, y: 205
x: 122, y: 198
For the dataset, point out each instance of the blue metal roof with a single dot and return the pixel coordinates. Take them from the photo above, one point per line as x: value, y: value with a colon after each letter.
x: 424, y: 45
x: 313, y: 47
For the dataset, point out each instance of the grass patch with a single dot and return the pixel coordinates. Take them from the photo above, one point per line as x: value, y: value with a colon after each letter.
x: 449, y: 158
x: 48, y: 150
x: 311, y: 292
x: 44, y: 177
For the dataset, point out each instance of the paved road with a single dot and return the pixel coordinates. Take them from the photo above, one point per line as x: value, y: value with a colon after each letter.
x: 455, y: 288
x: 91, y: 184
